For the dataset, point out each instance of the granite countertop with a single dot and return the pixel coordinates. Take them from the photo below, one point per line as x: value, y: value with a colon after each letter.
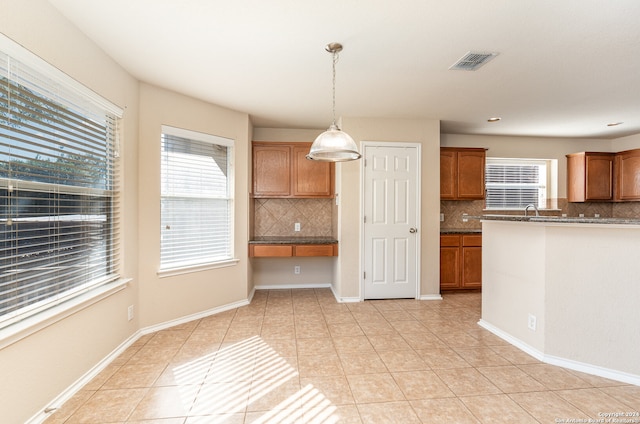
x: 292, y: 240
x: 559, y: 219
x: 460, y: 230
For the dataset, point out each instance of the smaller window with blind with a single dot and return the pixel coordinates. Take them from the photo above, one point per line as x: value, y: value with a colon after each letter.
x: 196, y: 199
x: 512, y: 184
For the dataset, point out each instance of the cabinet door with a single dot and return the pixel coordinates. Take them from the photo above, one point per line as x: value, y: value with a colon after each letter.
x: 271, y: 171
x: 448, y: 175
x: 314, y: 250
x: 628, y: 175
x: 270, y: 250
x: 449, y: 262
x: 449, y: 268
x: 311, y: 178
x: 471, y: 267
x: 576, y: 177
x: 599, y: 177
x: 471, y: 175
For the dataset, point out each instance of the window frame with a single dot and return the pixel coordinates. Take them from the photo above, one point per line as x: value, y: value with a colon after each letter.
x: 549, y: 185
x: 188, y: 267
x: 24, y: 68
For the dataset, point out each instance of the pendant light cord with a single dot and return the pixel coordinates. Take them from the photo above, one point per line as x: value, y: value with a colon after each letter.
x: 335, y: 60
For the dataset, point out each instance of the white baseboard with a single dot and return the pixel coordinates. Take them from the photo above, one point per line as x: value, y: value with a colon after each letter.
x: 563, y: 362
x: 82, y: 381
x: 593, y: 369
x: 68, y: 393
x: 293, y: 286
x: 192, y: 317
x: 512, y: 340
x: 430, y: 297
x: 344, y: 299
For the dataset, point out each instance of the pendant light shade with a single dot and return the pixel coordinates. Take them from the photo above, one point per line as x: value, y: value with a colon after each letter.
x: 334, y: 145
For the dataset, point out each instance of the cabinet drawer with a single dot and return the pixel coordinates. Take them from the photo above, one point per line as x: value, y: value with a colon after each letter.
x: 450, y: 241
x: 271, y: 250
x: 314, y: 250
x: 474, y: 240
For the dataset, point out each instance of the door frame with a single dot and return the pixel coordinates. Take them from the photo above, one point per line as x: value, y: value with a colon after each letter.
x: 418, y: 147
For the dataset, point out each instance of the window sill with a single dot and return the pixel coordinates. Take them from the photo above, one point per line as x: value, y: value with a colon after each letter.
x: 196, y: 268
x: 28, y: 326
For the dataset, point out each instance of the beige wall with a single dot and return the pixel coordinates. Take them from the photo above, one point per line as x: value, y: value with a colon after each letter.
x: 626, y: 143
x: 168, y: 298
x: 39, y: 367
x: 348, y: 187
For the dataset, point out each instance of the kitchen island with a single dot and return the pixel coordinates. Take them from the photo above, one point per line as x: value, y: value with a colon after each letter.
x: 565, y: 290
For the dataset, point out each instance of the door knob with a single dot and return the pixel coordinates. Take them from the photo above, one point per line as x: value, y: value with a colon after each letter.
x: 413, y: 230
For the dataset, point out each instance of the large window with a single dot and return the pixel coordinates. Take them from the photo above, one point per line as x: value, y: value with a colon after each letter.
x: 58, y: 187
x: 516, y: 183
x: 197, y: 203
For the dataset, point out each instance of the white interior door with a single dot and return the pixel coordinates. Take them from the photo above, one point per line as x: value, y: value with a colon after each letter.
x: 391, y: 216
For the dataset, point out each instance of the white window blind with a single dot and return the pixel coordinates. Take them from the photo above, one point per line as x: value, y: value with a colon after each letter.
x: 515, y: 183
x: 196, y: 203
x: 58, y: 188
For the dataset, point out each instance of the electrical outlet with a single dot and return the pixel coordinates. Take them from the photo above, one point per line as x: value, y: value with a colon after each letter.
x: 532, y: 322
x: 597, y: 215
x: 296, y: 226
x: 296, y: 269
x: 130, y: 312
x: 441, y: 217
x: 581, y: 215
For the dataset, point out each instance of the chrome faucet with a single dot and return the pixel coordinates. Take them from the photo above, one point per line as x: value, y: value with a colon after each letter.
x: 531, y: 205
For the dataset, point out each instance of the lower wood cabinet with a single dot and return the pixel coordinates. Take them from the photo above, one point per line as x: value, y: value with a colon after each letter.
x: 289, y: 250
x: 460, y: 261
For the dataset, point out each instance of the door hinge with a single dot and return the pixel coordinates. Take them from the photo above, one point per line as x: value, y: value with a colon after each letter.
x: 365, y: 219
x: 364, y: 275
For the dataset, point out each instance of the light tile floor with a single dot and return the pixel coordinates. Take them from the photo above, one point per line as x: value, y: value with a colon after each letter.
x: 297, y: 356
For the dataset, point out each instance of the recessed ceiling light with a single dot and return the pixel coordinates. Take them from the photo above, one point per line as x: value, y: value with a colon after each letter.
x: 614, y: 124
x: 495, y: 119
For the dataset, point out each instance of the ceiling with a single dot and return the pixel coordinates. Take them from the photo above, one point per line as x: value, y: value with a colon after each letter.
x: 565, y: 68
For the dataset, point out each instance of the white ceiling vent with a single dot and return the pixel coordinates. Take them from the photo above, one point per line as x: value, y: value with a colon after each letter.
x: 472, y: 61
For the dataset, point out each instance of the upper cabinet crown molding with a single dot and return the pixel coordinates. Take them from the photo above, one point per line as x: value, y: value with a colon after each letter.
x: 462, y: 173
x: 281, y: 170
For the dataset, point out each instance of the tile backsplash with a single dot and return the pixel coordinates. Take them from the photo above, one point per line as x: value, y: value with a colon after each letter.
x: 277, y: 217
x: 454, y: 209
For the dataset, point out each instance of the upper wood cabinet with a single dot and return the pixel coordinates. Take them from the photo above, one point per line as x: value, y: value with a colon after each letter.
x: 271, y: 170
x: 462, y: 173
x: 282, y: 170
x: 590, y: 176
x: 627, y: 170
x: 311, y: 178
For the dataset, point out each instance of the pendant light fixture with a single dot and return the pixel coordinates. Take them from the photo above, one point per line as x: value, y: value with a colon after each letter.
x: 334, y: 145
